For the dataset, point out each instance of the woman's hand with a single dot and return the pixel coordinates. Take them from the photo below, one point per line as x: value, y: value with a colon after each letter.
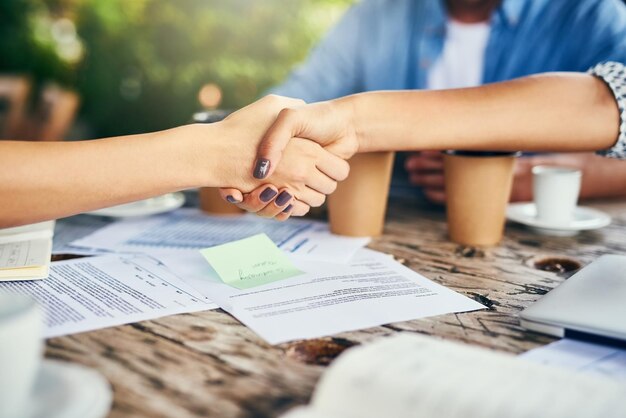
x: 308, y: 172
x: 267, y: 201
x: 329, y: 124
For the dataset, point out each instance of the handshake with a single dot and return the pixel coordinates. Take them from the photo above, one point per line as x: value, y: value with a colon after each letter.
x: 278, y: 156
x: 294, y: 155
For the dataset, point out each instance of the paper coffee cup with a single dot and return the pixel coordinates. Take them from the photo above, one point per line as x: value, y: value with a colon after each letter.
x: 21, y: 350
x: 358, y: 206
x: 478, y: 188
x: 212, y: 203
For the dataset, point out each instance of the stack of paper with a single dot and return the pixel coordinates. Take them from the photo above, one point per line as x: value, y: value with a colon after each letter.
x: 70, y: 229
x: 583, y: 357
x: 286, y: 281
x: 25, y: 251
x: 191, y: 230
x: 373, y: 289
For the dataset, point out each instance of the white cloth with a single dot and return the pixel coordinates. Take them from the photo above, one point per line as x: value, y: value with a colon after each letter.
x: 462, y: 59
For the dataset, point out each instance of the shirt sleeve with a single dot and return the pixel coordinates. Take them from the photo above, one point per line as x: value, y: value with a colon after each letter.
x: 597, y: 31
x: 332, y: 68
x: 614, y: 75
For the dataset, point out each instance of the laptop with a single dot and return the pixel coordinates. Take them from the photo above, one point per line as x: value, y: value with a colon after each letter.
x: 590, y: 305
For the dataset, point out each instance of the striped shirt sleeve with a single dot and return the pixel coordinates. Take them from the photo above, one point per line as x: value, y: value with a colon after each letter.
x: 614, y: 75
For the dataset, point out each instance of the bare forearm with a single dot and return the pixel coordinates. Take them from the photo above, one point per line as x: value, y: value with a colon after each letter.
x: 561, y: 111
x: 40, y: 181
x: 50, y: 180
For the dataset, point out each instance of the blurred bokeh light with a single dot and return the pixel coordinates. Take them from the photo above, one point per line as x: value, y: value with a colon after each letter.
x: 140, y: 65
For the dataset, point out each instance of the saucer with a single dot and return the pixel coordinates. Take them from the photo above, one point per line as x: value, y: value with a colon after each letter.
x: 152, y: 206
x: 585, y: 219
x: 67, y: 390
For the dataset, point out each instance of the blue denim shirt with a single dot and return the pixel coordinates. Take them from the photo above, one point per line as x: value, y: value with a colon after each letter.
x: 392, y: 44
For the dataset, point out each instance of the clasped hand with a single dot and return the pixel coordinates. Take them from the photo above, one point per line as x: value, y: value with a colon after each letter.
x: 300, y: 157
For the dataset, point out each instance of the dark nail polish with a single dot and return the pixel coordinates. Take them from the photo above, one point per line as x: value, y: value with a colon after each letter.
x: 261, y: 168
x: 283, y: 198
x: 267, y: 194
x: 287, y: 209
x: 231, y: 199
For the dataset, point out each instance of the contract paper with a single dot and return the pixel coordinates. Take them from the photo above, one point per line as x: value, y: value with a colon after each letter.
x: 76, y: 227
x: 92, y: 293
x: 583, y: 357
x: 329, y: 298
x: 189, y: 229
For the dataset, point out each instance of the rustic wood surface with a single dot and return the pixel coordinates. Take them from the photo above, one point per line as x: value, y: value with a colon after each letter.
x: 208, y: 364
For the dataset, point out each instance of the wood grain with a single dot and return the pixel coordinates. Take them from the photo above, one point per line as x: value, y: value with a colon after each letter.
x: 208, y: 364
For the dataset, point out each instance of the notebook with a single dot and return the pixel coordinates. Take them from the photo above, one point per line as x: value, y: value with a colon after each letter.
x: 412, y: 376
x: 25, y: 251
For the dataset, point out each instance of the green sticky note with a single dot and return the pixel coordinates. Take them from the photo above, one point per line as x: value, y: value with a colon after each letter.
x: 250, y: 262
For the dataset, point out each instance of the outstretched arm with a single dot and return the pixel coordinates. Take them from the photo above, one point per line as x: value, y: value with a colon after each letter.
x: 49, y: 180
x: 550, y: 112
x: 40, y: 181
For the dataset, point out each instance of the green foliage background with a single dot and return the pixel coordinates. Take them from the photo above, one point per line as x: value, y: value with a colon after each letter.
x: 143, y: 61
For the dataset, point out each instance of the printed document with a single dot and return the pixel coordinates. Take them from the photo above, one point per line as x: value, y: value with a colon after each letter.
x: 583, y: 357
x: 190, y: 229
x: 91, y: 293
x: 70, y: 229
x: 372, y: 290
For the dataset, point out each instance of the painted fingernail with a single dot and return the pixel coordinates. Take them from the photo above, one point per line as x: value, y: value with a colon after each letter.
x: 283, y: 198
x: 261, y: 168
x: 267, y: 194
x: 287, y: 209
x: 231, y: 199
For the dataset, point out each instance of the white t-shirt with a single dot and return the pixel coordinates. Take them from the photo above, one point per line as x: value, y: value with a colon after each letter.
x: 462, y: 59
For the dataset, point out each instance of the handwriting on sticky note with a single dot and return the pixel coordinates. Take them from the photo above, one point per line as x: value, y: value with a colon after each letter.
x: 250, y: 262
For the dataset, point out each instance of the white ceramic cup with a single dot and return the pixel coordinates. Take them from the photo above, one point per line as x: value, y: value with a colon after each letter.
x: 21, y: 348
x: 555, y: 191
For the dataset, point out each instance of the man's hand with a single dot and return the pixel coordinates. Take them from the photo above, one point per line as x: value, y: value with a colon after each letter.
x: 425, y: 169
x: 522, y: 190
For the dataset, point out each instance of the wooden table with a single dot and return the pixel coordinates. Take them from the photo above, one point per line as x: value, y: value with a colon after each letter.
x: 208, y: 364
